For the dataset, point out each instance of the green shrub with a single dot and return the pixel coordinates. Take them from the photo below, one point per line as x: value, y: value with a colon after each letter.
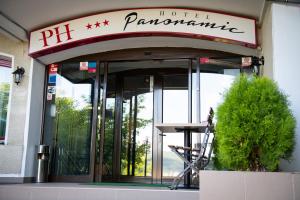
x: 255, y: 127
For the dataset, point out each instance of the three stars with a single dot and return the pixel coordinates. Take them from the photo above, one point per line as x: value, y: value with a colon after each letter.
x: 97, y: 24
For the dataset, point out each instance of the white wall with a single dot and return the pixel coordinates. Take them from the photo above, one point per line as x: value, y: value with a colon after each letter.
x: 18, y: 155
x: 286, y: 64
x: 267, y: 42
x: 11, y: 153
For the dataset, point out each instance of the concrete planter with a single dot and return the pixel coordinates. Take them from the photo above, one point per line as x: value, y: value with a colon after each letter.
x: 235, y: 185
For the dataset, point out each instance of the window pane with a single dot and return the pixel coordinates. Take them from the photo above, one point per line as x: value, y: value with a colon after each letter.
x: 175, y: 110
x: 213, y: 87
x: 5, y: 79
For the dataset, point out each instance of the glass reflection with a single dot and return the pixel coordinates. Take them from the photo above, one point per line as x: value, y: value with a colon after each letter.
x: 109, y: 126
x: 175, y: 110
x: 136, y: 150
x: 70, y: 121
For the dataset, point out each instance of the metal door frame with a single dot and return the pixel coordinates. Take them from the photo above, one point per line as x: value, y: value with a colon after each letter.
x: 157, y: 138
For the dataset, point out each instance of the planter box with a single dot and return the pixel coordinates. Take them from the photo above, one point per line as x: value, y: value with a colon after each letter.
x: 235, y: 185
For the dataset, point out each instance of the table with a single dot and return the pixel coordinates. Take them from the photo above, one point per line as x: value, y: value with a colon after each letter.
x: 179, y: 127
x: 187, y: 129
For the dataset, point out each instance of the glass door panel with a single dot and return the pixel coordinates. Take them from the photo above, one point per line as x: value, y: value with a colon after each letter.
x: 68, y: 120
x: 213, y: 86
x: 137, y: 122
x: 129, y: 115
x: 109, y: 126
x: 175, y: 110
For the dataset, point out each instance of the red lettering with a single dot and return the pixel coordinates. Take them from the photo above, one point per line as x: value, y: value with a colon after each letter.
x: 45, y: 36
x: 49, y: 33
x: 68, y: 31
x: 57, y: 35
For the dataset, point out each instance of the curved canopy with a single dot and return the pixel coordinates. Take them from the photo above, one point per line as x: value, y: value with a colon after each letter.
x: 28, y: 15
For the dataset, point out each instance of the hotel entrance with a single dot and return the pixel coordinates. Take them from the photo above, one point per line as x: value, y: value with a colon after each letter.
x: 100, y: 117
x: 138, y: 95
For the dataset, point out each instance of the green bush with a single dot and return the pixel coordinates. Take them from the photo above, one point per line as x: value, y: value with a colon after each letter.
x: 255, y: 127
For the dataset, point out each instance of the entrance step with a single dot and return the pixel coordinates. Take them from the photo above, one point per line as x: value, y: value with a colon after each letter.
x: 74, y: 191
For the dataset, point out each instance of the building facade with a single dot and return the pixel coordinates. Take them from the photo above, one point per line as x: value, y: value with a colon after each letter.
x: 116, y: 72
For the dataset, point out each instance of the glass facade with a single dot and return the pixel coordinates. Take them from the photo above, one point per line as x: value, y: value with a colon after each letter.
x: 125, y: 145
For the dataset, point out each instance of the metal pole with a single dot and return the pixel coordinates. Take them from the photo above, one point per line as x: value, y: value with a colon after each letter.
x: 102, y: 128
x: 134, y: 135
x: 129, y: 137
x: 146, y: 152
x: 198, y: 91
x: 94, y: 123
x: 187, y: 134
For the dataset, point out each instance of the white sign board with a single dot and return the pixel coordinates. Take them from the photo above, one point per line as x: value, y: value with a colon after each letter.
x: 144, y: 22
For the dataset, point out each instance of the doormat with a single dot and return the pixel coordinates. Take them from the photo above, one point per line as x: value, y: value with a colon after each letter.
x: 126, y: 184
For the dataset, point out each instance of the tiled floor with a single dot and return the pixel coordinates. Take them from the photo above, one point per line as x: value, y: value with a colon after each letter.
x: 74, y: 191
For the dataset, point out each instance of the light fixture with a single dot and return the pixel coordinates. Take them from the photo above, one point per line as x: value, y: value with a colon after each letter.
x: 18, y: 74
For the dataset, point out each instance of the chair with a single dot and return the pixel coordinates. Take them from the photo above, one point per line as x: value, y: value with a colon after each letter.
x: 199, y: 158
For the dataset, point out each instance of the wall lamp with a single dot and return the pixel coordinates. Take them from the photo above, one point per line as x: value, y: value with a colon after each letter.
x: 18, y: 74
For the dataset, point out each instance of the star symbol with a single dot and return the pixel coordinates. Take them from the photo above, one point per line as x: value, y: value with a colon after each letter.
x: 97, y: 24
x: 89, y: 26
x: 105, y: 23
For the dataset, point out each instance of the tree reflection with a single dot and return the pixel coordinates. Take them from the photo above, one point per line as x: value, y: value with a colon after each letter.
x: 73, y: 126
x: 133, y: 151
